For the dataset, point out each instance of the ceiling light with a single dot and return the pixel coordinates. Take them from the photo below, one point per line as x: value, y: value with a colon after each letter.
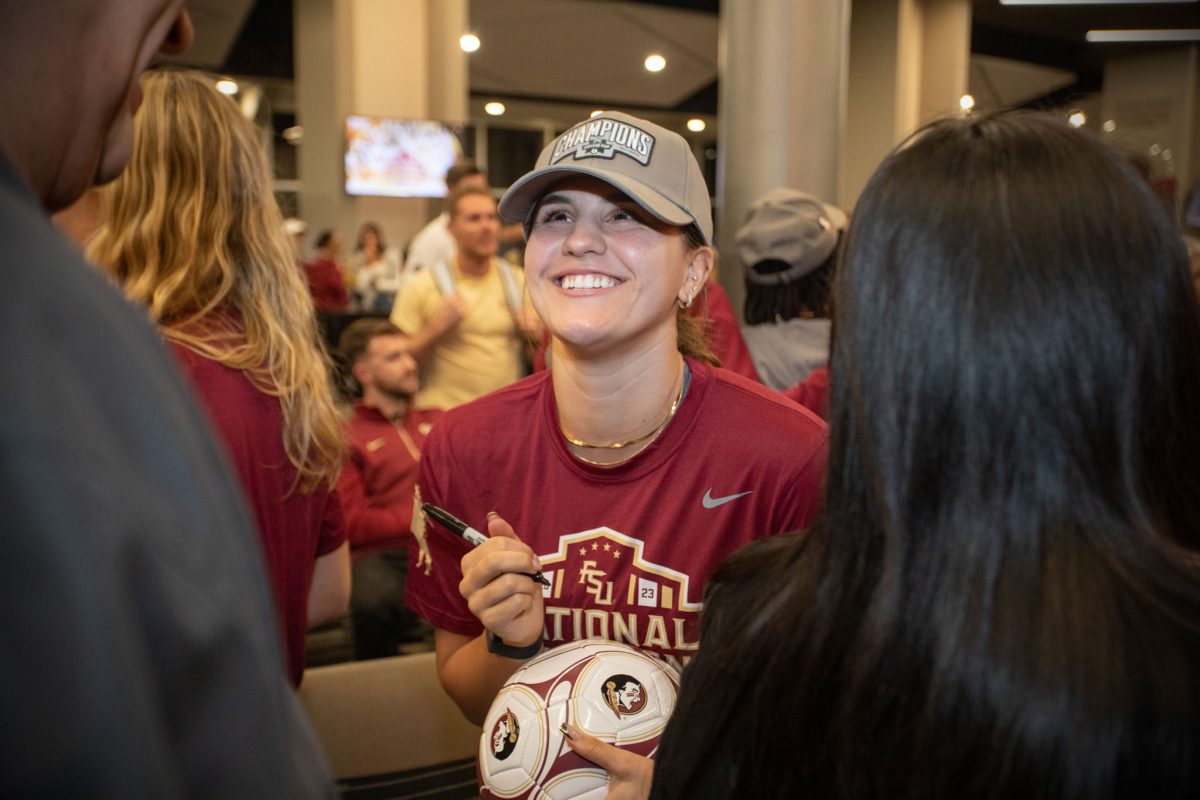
x: 1077, y: 119
x: 495, y: 108
x: 227, y: 86
x: 1167, y: 35
x: 1166, y: 154
x: 293, y: 135
x: 469, y: 42
x: 966, y: 102
x: 1109, y: 125
x: 655, y: 62
x: 696, y: 125
x: 1155, y: 149
x: 596, y: 113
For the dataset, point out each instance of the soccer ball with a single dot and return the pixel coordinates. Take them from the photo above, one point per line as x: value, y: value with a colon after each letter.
x: 610, y: 690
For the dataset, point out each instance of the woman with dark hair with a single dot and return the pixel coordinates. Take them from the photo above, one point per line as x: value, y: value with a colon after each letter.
x: 1003, y: 596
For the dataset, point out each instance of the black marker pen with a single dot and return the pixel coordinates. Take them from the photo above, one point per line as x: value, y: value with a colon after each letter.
x: 473, y: 536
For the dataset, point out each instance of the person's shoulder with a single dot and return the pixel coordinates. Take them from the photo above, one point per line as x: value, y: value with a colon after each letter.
x: 749, y: 403
x: 419, y: 282
x: 427, y: 416
x: 433, y: 233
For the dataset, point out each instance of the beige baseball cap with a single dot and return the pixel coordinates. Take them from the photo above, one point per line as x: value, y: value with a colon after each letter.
x: 651, y: 164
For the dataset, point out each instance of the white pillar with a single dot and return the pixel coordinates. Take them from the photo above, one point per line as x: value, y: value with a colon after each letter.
x: 782, y: 68
x: 388, y: 58
x: 909, y: 63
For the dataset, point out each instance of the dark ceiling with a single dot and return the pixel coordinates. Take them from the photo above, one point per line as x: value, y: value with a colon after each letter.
x: 1047, y: 35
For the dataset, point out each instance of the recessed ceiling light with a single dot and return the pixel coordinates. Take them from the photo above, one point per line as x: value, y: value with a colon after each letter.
x: 695, y: 125
x: 469, y: 42
x: 966, y: 102
x: 655, y: 62
x: 227, y: 86
x: 1077, y: 119
x: 495, y: 108
x: 1109, y: 125
x: 293, y: 135
x: 1162, y: 35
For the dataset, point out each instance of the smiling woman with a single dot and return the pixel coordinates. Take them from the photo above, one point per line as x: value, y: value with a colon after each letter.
x: 604, y: 474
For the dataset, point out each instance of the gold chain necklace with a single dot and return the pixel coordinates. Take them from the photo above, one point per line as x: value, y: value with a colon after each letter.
x: 621, y: 445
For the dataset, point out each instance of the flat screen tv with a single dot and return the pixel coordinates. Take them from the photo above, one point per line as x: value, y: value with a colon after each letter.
x: 399, y: 157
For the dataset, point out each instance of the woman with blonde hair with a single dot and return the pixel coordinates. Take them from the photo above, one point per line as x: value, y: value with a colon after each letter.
x: 192, y: 232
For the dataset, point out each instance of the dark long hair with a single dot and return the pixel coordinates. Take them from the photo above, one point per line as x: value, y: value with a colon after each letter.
x: 807, y: 296
x: 1002, y: 598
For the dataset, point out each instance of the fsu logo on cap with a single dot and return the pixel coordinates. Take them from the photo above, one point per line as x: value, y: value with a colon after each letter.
x: 604, y: 138
x: 624, y: 695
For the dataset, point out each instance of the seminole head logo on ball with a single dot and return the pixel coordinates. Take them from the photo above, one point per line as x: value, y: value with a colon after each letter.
x: 624, y: 695
x: 505, y: 734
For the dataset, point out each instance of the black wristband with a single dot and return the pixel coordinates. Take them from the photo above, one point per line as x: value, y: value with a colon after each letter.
x: 496, y: 645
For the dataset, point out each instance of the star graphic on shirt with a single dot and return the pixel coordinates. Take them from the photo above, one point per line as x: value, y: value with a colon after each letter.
x: 607, y: 547
x: 595, y: 545
x: 582, y: 551
x: 616, y: 553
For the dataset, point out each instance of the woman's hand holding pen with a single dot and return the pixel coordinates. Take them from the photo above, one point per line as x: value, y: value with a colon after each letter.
x: 497, y: 587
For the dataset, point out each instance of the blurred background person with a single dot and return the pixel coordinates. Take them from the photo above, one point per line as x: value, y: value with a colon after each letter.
x: 324, y: 274
x: 788, y: 245
x: 434, y: 244
x: 386, y: 434
x: 376, y: 270
x: 296, y: 230
x: 472, y: 331
x: 191, y: 231
x: 1003, y: 596
x: 140, y: 653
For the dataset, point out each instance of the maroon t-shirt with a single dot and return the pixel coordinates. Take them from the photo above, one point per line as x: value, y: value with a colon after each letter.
x: 627, y: 549
x: 295, y: 528
x: 376, y: 485
x: 325, y: 283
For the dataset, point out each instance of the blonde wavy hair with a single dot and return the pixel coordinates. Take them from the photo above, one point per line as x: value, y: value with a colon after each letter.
x: 191, y: 230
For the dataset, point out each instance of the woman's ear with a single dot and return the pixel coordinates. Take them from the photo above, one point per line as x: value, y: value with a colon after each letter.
x: 702, y: 265
x: 698, y: 270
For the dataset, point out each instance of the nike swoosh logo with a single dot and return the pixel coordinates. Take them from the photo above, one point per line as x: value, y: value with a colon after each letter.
x: 712, y: 502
